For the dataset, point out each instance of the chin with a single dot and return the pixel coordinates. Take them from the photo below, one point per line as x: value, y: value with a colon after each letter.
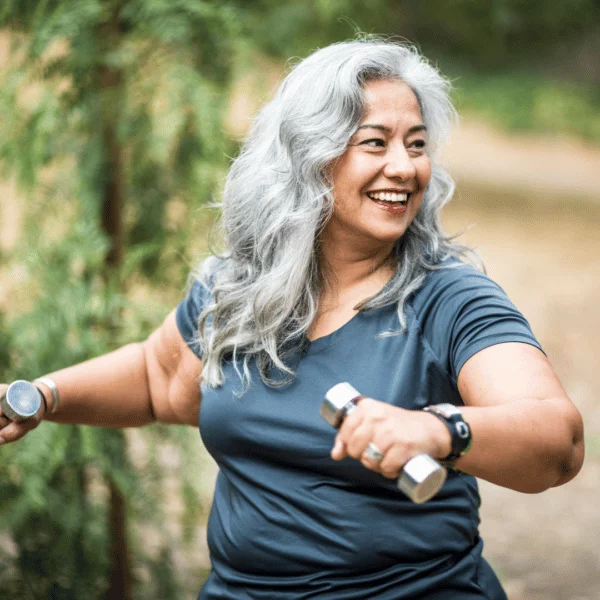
x: 388, y: 238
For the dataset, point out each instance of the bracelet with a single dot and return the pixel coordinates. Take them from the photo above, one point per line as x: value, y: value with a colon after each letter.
x: 43, y: 400
x: 49, y: 383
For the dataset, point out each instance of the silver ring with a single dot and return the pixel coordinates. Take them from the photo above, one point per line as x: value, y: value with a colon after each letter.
x: 373, y: 452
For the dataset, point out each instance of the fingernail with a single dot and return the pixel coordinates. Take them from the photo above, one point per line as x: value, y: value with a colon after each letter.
x: 2, y: 440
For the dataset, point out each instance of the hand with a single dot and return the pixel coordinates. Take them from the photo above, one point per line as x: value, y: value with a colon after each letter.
x: 11, y: 431
x: 400, y: 434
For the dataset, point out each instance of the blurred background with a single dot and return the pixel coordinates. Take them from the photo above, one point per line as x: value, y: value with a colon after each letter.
x: 118, y: 119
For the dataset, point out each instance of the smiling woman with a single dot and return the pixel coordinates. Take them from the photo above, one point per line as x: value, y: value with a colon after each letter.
x: 336, y: 269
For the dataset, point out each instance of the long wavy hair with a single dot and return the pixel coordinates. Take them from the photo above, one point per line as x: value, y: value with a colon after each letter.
x: 278, y: 196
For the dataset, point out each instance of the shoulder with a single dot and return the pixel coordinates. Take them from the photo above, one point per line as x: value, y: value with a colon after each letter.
x: 202, y: 280
x: 199, y: 298
x: 452, y: 282
x: 460, y: 311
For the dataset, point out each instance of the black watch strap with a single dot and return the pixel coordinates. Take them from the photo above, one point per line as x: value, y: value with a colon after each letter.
x: 459, y: 429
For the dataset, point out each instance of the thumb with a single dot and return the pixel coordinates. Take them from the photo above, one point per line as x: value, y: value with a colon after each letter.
x: 339, y: 450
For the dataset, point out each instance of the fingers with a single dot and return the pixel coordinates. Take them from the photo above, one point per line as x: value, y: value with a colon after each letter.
x: 351, y: 422
x: 338, y: 451
x: 393, y: 462
x: 15, y: 431
x: 386, y: 427
x: 357, y: 432
x: 4, y: 421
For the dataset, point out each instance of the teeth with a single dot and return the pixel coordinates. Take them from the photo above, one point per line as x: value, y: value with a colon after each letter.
x: 388, y: 196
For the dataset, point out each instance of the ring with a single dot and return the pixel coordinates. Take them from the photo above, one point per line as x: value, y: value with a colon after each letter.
x: 373, y: 452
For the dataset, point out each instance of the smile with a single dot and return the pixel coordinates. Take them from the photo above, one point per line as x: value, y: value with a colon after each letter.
x: 399, y: 197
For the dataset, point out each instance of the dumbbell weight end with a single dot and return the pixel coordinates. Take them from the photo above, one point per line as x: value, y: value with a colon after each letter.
x: 20, y: 401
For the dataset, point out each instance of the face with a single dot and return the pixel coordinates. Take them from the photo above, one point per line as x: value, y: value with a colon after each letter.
x: 380, y: 180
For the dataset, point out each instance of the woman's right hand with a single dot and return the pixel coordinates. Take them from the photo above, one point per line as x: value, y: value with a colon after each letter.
x: 11, y: 431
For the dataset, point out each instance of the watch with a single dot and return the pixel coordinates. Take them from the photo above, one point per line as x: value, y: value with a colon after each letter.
x: 459, y: 429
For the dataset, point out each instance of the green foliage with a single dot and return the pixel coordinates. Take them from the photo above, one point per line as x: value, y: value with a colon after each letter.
x: 296, y: 27
x: 485, y: 34
x: 100, y: 94
x: 495, y: 33
x: 154, y: 73
x: 522, y: 102
x: 54, y: 487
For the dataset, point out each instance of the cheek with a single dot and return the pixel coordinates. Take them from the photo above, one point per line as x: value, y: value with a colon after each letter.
x: 424, y: 173
x: 348, y: 180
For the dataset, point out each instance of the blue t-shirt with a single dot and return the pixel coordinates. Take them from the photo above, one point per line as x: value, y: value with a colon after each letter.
x: 287, y: 521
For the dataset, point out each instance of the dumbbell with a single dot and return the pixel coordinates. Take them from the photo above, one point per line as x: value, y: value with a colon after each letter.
x: 421, y: 477
x: 20, y: 401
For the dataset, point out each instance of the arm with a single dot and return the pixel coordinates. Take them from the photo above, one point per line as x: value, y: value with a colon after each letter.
x: 527, y: 435
x: 130, y: 387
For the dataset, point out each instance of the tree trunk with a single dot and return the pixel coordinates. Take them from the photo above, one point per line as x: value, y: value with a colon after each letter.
x: 113, y: 201
x: 113, y: 188
x: 120, y: 587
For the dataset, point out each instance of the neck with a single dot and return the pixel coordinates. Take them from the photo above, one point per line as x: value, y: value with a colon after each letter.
x: 346, y: 268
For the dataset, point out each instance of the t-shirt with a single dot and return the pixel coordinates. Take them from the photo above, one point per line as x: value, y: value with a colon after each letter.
x: 287, y: 521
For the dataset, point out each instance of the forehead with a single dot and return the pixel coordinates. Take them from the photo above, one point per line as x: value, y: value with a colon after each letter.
x: 392, y: 100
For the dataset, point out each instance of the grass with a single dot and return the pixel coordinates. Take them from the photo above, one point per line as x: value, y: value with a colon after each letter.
x: 528, y: 103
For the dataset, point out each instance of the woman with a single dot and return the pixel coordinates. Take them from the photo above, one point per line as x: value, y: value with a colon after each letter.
x: 336, y: 270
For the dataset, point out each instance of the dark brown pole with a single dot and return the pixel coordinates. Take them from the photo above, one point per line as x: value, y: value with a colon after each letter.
x: 120, y: 586
x: 110, y: 82
x: 113, y: 198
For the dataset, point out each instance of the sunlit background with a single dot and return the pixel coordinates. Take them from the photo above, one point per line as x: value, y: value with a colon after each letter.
x: 118, y: 119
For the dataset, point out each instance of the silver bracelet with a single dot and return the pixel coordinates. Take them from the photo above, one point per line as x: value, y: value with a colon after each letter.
x: 53, y: 389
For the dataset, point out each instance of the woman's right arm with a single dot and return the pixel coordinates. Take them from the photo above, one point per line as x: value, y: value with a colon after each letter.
x: 132, y: 386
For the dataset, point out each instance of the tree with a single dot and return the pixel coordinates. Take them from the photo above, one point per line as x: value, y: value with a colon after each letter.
x: 116, y: 106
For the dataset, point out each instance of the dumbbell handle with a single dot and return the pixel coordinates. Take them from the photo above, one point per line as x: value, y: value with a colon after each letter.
x: 421, y: 477
x: 20, y: 401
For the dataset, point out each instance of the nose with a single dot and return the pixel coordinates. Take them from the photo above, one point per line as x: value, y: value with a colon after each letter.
x: 399, y: 164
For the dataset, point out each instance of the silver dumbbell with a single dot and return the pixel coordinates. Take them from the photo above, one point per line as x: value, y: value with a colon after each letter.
x: 421, y: 477
x: 20, y: 401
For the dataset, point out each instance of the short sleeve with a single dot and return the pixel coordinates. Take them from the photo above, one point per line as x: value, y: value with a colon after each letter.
x: 187, y: 314
x: 462, y: 311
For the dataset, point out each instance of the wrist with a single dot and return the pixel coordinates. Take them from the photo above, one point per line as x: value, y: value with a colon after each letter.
x: 49, y: 393
x: 442, y: 440
x: 44, y: 408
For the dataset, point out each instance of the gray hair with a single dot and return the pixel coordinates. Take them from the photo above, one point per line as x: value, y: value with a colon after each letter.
x: 278, y: 197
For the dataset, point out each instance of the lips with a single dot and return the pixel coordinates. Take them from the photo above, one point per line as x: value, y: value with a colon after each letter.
x: 394, y: 196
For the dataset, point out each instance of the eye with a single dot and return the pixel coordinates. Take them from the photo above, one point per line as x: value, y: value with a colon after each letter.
x: 374, y: 143
x: 417, y: 147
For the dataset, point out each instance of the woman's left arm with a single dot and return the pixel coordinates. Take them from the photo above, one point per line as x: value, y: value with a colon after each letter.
x: 527, y: 434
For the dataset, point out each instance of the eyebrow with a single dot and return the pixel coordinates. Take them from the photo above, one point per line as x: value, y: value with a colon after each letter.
x: 385, y: 129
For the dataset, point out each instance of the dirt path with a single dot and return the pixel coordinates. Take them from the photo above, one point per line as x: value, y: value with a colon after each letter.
x: 557, y: 166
